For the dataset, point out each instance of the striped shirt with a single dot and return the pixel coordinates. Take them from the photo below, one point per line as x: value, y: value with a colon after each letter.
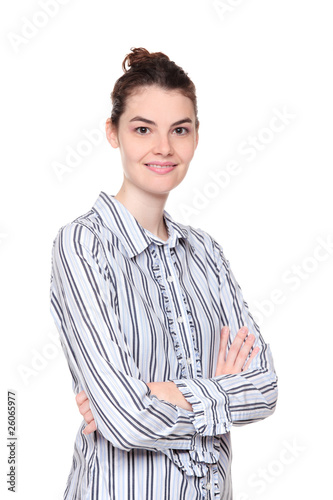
x: 131, y: 309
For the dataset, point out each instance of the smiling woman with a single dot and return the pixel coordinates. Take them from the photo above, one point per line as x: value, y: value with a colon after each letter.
x: 164, y: 353
x: 156, y: 158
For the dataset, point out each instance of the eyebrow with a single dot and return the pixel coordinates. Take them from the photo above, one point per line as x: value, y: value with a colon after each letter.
x: 150, y: 122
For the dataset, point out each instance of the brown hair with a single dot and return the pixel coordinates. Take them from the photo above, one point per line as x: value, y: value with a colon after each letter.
x: 145, y: 69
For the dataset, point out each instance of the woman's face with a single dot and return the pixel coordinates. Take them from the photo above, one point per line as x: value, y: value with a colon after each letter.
x: 157, y: 126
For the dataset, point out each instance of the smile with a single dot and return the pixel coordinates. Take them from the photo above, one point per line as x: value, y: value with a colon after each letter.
x: 159, y: 166
x: 160, y: 169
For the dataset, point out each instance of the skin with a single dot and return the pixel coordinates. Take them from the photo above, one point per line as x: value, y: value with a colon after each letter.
x: 144, y: 193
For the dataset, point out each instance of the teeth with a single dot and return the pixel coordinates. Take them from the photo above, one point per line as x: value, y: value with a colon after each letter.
x: 159, y: 166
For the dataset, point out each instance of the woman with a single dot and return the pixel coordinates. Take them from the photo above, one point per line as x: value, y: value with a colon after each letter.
x: 164, y: 355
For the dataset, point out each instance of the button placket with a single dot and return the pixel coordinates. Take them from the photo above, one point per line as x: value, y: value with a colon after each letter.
x: 170, y: 312
x: 209, y: 484
x: 196, y: 356
x: 191, y: 368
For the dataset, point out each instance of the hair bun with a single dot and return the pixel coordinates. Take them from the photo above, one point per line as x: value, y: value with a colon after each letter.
x: 143, y: 69
x: 139, y: 56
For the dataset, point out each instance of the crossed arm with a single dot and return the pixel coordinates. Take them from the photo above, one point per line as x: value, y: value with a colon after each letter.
x: 182, y: 414
x: 236, y: 361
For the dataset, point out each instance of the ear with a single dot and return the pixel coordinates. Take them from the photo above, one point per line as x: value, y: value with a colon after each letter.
x: 111, y: 133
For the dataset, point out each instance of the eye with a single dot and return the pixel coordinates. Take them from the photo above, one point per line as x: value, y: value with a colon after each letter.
x: 140, y: 129
x: 181, y: 129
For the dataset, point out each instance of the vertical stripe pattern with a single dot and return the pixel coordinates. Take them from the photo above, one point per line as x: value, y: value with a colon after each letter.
x: 130, y: 309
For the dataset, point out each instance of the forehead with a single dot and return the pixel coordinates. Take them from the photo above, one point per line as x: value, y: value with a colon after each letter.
x: 154, y: 100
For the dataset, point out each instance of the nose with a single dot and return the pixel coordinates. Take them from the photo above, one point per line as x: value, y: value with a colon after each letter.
x: 162, y: 144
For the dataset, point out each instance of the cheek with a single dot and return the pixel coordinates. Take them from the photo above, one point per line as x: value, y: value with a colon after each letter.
x: 134, y: 151
x: 188, y: 151
x: 129, y: 153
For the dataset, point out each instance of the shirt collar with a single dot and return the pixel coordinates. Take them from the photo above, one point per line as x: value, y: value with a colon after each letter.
x: 129, y: 231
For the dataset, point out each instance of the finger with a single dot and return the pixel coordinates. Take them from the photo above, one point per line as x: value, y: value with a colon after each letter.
x: 222, y: 350
x: 80, y: 398
x: 88, y: 417
x: 236, y: 345
x: 90, y: 428
x: 223, y: 342
x: 253, y: 355
x: 244, y: 352
x: 84, y: 407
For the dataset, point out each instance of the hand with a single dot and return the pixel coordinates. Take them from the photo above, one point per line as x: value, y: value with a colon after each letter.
x: 234, y: 363
x: 84, y: 408
x: 163, y: 390
x: 168, y: 391
x: 238, y: 352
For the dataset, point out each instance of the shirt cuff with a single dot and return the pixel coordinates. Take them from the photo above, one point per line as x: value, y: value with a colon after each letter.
x: 204, y: 450
x: 210, y: 405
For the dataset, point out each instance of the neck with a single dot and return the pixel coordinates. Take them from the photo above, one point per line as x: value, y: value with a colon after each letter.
x: 147, y: 208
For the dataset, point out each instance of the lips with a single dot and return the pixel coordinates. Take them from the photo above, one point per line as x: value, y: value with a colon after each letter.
x: 160, y: 168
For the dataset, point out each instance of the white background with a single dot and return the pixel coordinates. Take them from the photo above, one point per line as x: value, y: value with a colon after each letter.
x: 247, y: 59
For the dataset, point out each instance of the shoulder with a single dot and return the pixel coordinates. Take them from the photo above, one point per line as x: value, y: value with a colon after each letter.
x: 206, y: 246
x: 77, y: 252
x: 201, y: 237
x: 81, y: 232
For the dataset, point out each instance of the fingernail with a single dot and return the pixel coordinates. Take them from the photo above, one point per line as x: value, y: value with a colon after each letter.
x: 225, y: 329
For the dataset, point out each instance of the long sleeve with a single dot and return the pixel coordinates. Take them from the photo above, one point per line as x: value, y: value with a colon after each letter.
x: 131, y: 309
x: 83, y: 304
x: 226, y: 400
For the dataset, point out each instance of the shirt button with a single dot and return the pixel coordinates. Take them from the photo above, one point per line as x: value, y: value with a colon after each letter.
x: 170, y: 279
x: 208, y: 486
x: 180, y: 319
x: 189, y: 361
